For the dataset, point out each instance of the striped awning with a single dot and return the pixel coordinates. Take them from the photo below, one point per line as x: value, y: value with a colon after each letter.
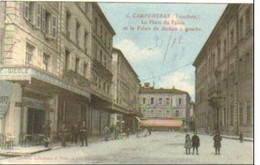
x: 161, y: 123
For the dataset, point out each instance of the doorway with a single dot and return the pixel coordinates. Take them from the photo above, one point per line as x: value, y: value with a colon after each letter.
x: 36, y: 120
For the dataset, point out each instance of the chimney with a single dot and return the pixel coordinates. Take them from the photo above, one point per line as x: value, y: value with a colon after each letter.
x: 146, y: 84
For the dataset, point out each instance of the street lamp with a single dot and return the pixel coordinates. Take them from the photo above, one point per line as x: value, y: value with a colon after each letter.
x: 214, y: 101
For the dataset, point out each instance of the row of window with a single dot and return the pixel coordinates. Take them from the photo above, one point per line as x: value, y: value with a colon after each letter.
x: 215, y: 59
x: 101, y: 57
x: 160, y: 113
x: 168, y: 101
x: 30, y: 51
x: 41, y: 18
x: 100, y: 30
x: 101, y: 83
x: 77, y: 63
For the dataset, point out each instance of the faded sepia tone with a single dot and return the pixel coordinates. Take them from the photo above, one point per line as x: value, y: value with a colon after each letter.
x: 89, y: 82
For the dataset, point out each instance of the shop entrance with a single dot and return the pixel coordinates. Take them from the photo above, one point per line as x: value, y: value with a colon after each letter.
x: 36, y: 120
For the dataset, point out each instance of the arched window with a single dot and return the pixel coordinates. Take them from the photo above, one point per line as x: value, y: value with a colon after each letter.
x: 177, y: 113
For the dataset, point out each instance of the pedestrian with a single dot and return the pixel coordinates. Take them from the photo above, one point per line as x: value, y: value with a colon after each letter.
x: 84, y: 134
x: 188, y: 143
x: 241, y: 137
x: 217, y: 143
x: 64, y: 132
x: 46, y: 141
x: 195, y: 143
x: 150, y: 131
x: 106, y: 132
x: 75, y: 133
x: 47, y: 129
x: 116, y: 129
x: 127, y: 131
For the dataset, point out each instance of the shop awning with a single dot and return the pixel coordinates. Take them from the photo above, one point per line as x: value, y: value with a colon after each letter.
x: 161, y: 123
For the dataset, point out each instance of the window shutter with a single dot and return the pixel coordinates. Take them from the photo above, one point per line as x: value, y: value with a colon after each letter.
x: 54, y: 26
x: 43, y: 19
x: 26, y: 10
x: 38, y: 16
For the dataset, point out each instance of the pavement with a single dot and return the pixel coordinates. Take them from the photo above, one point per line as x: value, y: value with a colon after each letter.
x: 159, y: 148
x: 29, y: 150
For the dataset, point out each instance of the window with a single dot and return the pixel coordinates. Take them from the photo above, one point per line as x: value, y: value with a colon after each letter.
x: 231, y: 115
x: 248, y: 20
x: 68, y: 18
x: 100, y: 57
x: 96, y: 24
x: 38, y: 16
x: 28, y: 11
x: 180, y: 101
x: 104, y: 86
x: 152, y: 112
x: 48, y: 23
x: 43, y: 19
x: 29, y: 53
x: 240, y: 113
x: 99, y: 83
x: 225, y: 47
x: 152, y: 100
x: 108, y: 88
x: 160, y: 113
x: 101, y: 31
x: 219, y: 58
x: 249, y: 113
x: 77, y: 65
x: 77, y: 32
x: 176, y: 113
x: 144, y: 100
x: 85, y: 68
x: 105, y: 61
x: 167, y: 112
x: 167, y: 101
x: 46, y: 61
x: 213, y: 62
x: 232, y: 38
x: 160, y: 100
x: 54, y: 27
x: 85, y: 41
x: 241, y: 27
x: 67, y: 59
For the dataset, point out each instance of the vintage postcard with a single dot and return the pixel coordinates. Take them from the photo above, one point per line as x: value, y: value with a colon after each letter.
x: 126, y: 82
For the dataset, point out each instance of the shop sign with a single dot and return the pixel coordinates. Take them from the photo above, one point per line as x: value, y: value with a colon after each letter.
x: 6, y: 89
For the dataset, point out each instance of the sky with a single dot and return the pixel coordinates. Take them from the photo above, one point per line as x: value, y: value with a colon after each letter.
x: 162, y: 40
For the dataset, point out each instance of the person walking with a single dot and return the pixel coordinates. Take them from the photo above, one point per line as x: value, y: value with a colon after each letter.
x: 84, y: 134
x: 106, y: 132
x: 64, y: 132
x: 241, y: 137
x: 150, y: 131
x: 217, y: 143
x: 188, y: 143
x: 47, y: 129
x: 195, y: 143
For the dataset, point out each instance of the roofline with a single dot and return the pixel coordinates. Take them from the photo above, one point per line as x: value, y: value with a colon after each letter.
x: 154, y: 90
x: 101, y: 14
x: 213, y: 32
x: 121, y: 54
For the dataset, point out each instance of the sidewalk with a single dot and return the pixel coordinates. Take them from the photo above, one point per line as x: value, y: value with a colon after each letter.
x: 29, y: 150
x: 230, y: 137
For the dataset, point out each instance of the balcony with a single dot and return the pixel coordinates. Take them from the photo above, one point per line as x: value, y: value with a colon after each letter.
x: 75, y: 78
x: 102, y: 69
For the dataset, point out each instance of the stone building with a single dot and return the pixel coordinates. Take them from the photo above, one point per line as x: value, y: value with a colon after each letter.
x: 224, y: 74
x: 125, y: 91
x: 47, y: 54
x: 171, y: 104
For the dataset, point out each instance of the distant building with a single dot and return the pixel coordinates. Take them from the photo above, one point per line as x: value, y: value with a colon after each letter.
x: 224, y: 74
x: 125, y: 90
x: 172, y: 105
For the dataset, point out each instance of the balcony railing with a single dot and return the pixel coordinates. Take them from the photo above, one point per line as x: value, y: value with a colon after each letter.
x: 75, y: 78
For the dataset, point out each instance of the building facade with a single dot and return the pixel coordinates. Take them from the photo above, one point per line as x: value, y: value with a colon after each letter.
x: 165, y: 104
x: 224, y: 74
x: 125, y: 91
x: 47, y: 54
